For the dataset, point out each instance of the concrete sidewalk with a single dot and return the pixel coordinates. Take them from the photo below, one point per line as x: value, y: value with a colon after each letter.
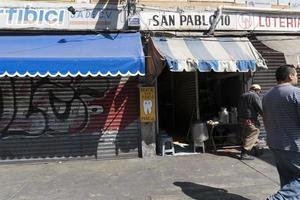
x: 201, y: 176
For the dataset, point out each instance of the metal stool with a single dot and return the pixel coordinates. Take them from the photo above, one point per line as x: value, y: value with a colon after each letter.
x: 166, y: 141
x: 199, y: 144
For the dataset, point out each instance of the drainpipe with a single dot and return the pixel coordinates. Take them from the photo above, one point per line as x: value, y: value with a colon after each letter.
x: 214, y: 24
x: 131, y: 6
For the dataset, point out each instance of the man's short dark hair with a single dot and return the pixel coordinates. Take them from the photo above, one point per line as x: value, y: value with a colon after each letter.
x: 283, y: 72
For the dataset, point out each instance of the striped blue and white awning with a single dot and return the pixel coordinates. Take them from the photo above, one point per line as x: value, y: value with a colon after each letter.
x: 226, y: 54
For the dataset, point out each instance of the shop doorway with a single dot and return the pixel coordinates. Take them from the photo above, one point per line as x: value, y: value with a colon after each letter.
x: 177, y: 104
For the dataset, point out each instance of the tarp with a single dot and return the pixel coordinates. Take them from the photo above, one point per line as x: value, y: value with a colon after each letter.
x: 288, y: 45
x: 72, y: 55
x: 224, y: 54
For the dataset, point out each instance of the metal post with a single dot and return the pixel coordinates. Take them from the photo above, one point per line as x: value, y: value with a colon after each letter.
x: 215, y: 22
x: 173, y: 100
x: 156, y: 106
x: 197, y: 94
x: 131, y: 5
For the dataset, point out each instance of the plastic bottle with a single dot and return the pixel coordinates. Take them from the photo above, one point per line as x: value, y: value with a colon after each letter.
x: 224, y: 116
x: 233, y: 115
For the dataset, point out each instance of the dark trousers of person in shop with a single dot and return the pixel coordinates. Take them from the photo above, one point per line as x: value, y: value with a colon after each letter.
x: 250, y: 133
x: 288, y: 166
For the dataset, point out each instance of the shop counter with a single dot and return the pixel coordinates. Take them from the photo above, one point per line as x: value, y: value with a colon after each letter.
x: 223, y: 134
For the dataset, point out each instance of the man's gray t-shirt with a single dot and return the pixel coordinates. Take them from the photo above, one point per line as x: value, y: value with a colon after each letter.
x: 281, y: 107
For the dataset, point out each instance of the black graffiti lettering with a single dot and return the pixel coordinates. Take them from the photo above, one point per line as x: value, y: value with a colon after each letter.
x: 65, y: 114
x: 1, y: 103
x: 36, y: 113
x: 7, y: 122
x: 85, y: 120
x: 45, y: 106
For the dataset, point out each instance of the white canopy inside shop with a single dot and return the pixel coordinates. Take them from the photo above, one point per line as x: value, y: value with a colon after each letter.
x: 288, y: 45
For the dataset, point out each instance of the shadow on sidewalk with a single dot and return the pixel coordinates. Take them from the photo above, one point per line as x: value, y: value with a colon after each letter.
x: 264, y: 155
x: 202, y: 192
x: 233, y: 152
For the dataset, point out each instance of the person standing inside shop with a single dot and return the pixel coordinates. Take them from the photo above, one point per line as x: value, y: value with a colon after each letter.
x: 281, y: 106
x: 249, y: 108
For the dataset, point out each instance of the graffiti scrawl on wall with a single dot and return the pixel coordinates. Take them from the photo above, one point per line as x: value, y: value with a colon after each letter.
x: 36, y: 106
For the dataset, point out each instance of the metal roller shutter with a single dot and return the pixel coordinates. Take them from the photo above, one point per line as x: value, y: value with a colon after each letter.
x: 185, y: 99
x: 69, y: 117
x: 266, y: 78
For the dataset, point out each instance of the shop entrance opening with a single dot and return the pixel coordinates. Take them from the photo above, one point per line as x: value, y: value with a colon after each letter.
x: 177, y: 105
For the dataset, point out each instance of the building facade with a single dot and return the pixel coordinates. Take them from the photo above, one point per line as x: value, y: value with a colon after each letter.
x: 71, y: 90
x: 194, y: 77
x: 70, y: 78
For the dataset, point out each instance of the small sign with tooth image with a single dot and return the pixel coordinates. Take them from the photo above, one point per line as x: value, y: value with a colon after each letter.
x: 147, y: 104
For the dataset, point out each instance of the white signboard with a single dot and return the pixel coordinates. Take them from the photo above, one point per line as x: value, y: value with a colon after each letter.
x: 183, y: 21
x: 161, y: 20
x: 269, y: 23
x: 57, y: 16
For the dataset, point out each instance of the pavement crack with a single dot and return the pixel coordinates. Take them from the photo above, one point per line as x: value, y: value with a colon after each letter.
x: 29, y: 180
x: 17, y: 192
x: 272, y: 180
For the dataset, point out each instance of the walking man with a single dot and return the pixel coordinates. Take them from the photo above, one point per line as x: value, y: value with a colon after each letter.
x: 248, y: 109
x: 281, y: 106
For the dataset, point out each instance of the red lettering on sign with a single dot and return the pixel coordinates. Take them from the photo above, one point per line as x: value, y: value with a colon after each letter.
x: 275, y: 21
x: 282, y: 22
x: 268, y: 21
x: 244, y: 21
x: 260, y: 22
x: 289, y: 23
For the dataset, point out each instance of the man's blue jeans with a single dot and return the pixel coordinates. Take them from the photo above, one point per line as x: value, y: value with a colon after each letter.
x: 288, y: 166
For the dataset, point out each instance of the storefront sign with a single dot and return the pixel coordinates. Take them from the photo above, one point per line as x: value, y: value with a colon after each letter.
x: 147, y: 104
x: 182, y: 21
x: 233, y: 21
x: 28, y: 16
x: 57, y: 16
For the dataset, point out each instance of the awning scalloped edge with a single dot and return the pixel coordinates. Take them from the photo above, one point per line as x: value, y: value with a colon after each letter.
x: 37, y: 74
